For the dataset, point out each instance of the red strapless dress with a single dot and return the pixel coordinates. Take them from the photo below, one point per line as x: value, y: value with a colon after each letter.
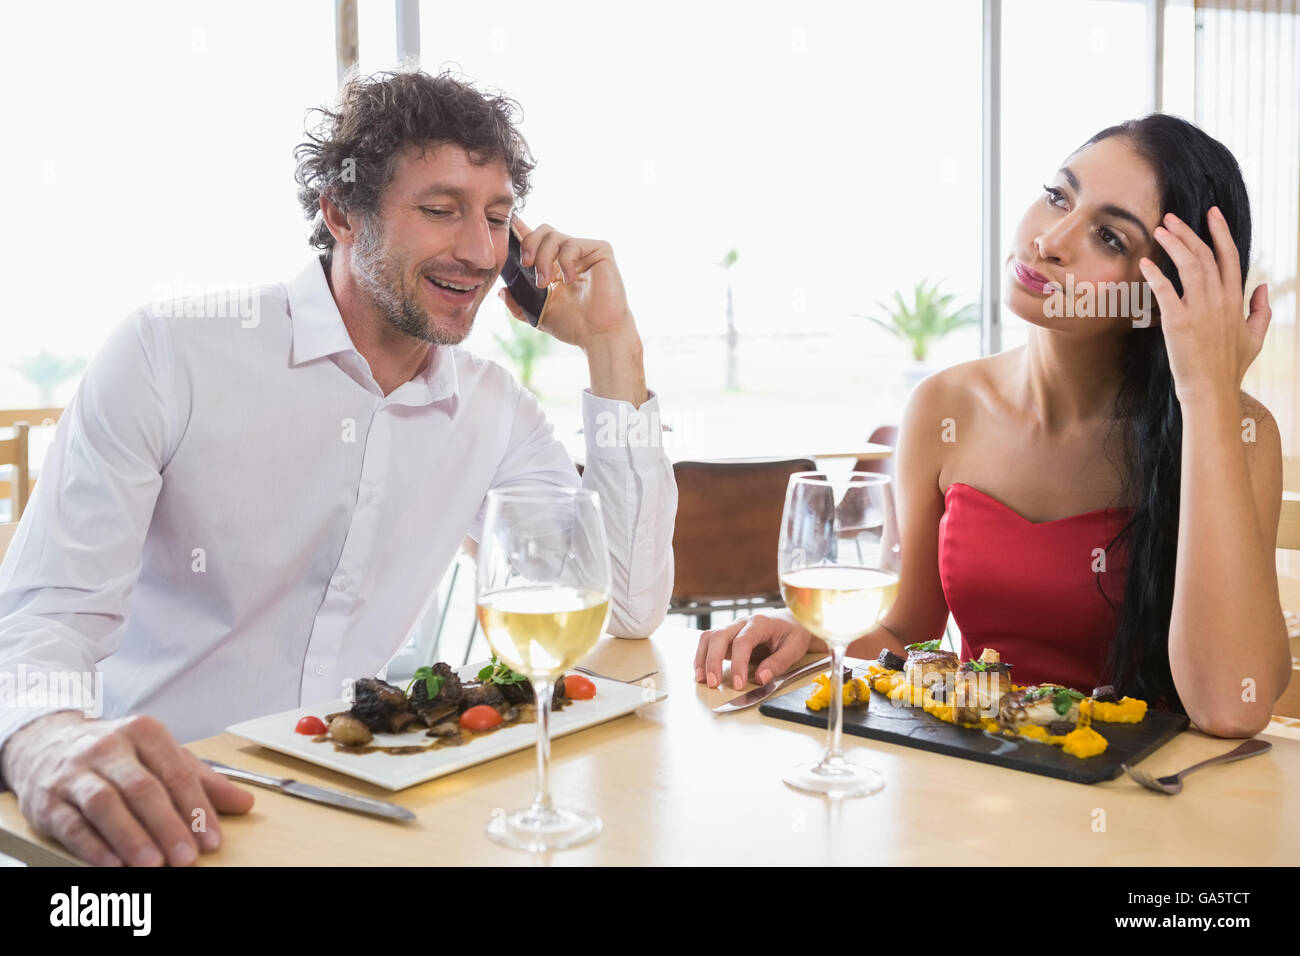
x: 1030, y: 590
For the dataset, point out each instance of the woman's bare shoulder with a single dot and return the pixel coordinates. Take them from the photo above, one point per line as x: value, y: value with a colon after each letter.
x: 961, y: 388
x: 1253, y: 409
x: 1261, y: 435
x: 955, y: 401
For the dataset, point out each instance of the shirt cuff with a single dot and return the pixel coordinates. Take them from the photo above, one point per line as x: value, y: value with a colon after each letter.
x: 15, y: 719
x: 615, y: 430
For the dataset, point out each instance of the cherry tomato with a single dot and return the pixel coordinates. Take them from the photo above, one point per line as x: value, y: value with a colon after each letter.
x: 311, y: 725
x: 579, y: 688
x: 481, y: 717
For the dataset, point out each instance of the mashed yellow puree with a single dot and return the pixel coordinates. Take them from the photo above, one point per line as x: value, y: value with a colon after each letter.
x: 1083, y: 741
x: 856, y: 691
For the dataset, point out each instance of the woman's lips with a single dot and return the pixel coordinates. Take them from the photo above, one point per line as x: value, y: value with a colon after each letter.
x: 1031, y: 279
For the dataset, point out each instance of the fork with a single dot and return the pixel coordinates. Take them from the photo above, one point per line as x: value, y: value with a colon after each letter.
x: 1174, y: 782
x: 591, y: 673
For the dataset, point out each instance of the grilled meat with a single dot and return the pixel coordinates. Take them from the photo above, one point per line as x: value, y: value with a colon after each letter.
x: 1038, y: 705
x: 1105, y: 694
x: 381, y: 706
x: 927, y: 668
x: 980, y: 686
x: 520, y: 693
x: 445, y: 704
x: 447, y: 728
x: 477, y: 693
x: 523, y: 693
x: 890, y: 661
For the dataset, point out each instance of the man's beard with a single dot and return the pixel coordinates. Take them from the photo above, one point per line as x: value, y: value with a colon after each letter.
x: 383, y: 280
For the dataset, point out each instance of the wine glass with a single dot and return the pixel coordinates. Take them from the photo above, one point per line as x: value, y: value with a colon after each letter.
x: 543, y: 600
x: 838, y: 560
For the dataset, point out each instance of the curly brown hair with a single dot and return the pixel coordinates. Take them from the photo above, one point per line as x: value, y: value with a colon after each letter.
x: 352, y: 152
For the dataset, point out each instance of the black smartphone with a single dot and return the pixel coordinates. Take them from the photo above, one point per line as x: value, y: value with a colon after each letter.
x: 522, y: 282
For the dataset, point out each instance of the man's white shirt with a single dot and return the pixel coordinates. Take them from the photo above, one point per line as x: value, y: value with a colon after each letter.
x: 234, y: 520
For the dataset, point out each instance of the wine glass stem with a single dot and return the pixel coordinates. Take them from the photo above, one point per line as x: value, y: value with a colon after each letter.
x: 542, y: 798
x: 835, y: 729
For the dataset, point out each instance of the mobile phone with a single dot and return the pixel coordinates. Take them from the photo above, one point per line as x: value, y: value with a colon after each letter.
x: 522, y: 282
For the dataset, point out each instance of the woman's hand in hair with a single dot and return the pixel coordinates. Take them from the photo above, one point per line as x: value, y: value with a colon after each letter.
x: 1209, y: 345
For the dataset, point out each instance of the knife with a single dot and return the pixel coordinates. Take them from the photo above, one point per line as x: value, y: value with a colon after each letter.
x: 335, y: 798
x: 760, y: 694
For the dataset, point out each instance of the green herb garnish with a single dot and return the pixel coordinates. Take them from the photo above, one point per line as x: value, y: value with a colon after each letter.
x: 924, y: 646
x: 980, y: 666
x: 433, y: 683
x: 496, y: 672
x: 1063, y: 698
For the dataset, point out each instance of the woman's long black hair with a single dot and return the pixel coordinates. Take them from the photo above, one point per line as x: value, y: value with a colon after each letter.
x: 1194, y: 172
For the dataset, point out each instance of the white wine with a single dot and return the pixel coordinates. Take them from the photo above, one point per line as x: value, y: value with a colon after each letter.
x: 541, y: 631
x: 838, y: 603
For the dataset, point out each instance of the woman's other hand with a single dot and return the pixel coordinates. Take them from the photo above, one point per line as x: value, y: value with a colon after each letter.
x: 770, y: 642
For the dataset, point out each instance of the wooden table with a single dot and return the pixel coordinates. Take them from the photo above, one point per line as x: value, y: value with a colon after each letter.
x: 676, y: 784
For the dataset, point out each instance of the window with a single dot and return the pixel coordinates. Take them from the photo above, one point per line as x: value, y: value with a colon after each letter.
x: 841, y: 163
x: 153, y: 156
x: 1069, y: 69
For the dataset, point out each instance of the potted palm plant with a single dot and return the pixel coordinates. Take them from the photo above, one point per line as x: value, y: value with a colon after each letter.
x: 927, y: 318
x: 524, y: 347
x: 48, y: 371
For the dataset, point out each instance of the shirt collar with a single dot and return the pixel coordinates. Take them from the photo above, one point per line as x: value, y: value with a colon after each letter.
x: 318, y: 331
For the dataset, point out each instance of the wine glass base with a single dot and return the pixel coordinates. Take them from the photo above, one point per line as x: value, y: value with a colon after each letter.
x: 542, y: 831
x: 839, y: 779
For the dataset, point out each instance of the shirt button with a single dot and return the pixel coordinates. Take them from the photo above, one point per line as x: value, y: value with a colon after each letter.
x: 320, y: 670
x: 344, y: 583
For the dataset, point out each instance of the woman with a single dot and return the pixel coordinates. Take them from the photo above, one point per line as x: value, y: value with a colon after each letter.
x: 1100, y: 505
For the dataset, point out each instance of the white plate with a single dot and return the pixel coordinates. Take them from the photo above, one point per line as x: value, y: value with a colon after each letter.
x: 398, y: 771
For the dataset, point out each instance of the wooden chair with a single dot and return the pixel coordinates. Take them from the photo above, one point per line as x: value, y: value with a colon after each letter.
x: 1288, y: 525
x: 6, y: 535
x: 1288, y: 538
x: 884, y: 435
x: 14, y: 452
x: 852, y: 508
x: 727, y: 530
x: 32, y: 416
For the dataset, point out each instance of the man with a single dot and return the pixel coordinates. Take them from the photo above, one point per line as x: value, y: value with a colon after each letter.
x: 245, y: 509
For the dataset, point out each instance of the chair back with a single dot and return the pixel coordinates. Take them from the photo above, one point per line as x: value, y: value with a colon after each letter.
x: 852, y: 510
x: 728, y: 527
x: 1288, y: 538
x: 9, y: 417
x: 6, y: 535
x: 1288, y: 525
x: 884, y: 435
x: 13, y: 453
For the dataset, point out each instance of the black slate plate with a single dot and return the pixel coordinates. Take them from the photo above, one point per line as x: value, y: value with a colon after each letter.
x: 913, y: 727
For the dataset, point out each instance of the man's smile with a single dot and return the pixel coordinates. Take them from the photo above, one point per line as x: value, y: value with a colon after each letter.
x: 457, y: 292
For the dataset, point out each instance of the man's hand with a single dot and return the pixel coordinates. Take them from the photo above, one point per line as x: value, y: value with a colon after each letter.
x: 587, y: 307
x: 117, y: 791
